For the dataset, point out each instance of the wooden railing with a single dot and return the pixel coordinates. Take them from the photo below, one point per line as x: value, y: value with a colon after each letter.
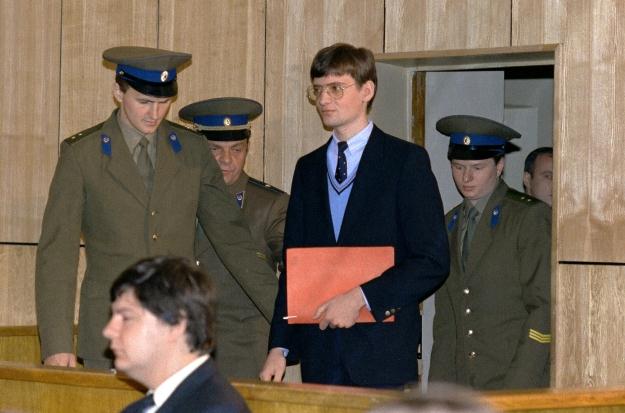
x: 32, y: 388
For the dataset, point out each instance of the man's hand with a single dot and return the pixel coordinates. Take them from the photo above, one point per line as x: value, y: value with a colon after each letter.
x: 341, y: 311
x: 61, y: 359
x: 274, y: 367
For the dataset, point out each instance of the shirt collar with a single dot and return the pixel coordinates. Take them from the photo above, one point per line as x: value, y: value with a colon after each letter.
x: 357, y: 142
x: 166, y: 388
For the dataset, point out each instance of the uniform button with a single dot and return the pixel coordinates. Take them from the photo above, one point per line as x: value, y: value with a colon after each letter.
x: 197, y: 263
x: 153, y: 213
x: 472, y: 354
x: 392, y: 311
x: 466, y: 291
x: 154, y: 237
x: 470, y: 333
x: 387, y: 313
x: 467, y: 311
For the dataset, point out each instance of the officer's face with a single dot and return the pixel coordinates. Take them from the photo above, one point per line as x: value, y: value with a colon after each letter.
x: 346, y: 115
x: 143, y: 112
x: 139, y: 340
x: 539, y: 184
x: 476, y: 179
x: 231, y: 158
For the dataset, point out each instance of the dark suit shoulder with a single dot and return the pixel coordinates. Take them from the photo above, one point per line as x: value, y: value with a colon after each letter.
x: 84, y: 134
x: 264, y: 186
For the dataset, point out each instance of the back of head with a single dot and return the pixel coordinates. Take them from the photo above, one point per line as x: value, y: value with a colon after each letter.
x: 173, y: 289
x: 440, y: 398
x: 345, y: 59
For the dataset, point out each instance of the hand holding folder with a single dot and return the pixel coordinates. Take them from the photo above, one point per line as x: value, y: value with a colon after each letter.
x: 317, y: 274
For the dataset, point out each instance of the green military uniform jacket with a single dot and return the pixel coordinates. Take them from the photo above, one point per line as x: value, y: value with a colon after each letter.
x: 242, y: 330
x: 97, y: 191
x: 492, y: 321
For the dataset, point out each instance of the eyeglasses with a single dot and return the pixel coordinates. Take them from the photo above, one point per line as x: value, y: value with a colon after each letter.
x: 335, y: 91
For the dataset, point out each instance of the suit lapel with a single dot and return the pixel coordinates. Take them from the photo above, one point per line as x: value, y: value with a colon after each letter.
x: 120, y: 164
x: 369, y: 178
x: 319, y: 180
x: 202, y: 376
x: 484, y: 232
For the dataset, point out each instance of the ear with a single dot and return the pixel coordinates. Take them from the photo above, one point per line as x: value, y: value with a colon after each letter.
x: 368, y: 90
x: 500, y: 165
x: 117, y: 92
x: 526, y: 181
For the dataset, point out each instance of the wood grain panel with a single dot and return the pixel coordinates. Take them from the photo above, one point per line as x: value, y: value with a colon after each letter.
x: 589, y: 321
x: 413, y: 25
x: 590, y: 91
x: 30, y: 47
x: 89, y: 28
x: 17, y: 284
x: 296, y: 30
x: 227, y: 40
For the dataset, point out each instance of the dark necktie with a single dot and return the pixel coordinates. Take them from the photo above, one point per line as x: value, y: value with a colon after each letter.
x: 144, y: 164
x: 468, y: 235
x: 141, y: 405
x: 341, y: 165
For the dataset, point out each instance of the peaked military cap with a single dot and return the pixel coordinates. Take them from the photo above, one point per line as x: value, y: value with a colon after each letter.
x: 149, y: 71
x: 474, y: 137
x: 222, y: 119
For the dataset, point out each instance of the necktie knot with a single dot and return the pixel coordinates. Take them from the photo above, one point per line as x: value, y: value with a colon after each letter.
x: 469, y: 229
x: 341, y: 165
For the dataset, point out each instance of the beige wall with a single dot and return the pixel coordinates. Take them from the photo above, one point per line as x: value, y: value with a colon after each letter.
x: 56, y: 84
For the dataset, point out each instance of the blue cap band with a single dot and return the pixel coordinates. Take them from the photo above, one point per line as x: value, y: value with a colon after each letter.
x: 476, y: 140
x: 220, y: 120
x: 153, y: 76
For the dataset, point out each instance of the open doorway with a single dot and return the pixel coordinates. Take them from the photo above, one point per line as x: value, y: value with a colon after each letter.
x: 514, y: 86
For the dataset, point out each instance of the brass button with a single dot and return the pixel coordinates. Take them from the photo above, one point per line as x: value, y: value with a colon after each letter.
x: 466, y: 291
x: 470, y: 333
x: 197, y: 263
x: 153, y: 213
x: 154, y: 237
x: 472, y: 354
x: 467, y: 311
x: 392, y: 311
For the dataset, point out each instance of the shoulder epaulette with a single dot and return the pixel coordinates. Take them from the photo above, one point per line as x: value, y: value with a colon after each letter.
x: 517, y: 196
x: 265, y: 185
x: 80, y: 135
x: 183, y: 127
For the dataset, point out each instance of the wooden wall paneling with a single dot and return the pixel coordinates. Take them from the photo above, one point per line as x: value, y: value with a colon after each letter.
x: 30, y: 47
x: 89, y: 28
x: 589, y: 347
x: 227, y: 40
x: 413, y: 25
x: 538, y: 21
x: 590, y: 94
x: 296, y: 30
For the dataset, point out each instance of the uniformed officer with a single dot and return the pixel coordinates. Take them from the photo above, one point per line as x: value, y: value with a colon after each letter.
x: 242, y: 331
x: 492, y: 322
x: 133, y: 186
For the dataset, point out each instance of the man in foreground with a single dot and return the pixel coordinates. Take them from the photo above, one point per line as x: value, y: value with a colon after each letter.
x: 161, y: 333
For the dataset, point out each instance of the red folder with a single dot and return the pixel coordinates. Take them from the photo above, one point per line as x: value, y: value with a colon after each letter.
x: 317, y: 274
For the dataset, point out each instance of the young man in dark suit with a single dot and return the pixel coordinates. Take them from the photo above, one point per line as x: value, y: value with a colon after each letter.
x: 161, y: 331
x: 362, y: 188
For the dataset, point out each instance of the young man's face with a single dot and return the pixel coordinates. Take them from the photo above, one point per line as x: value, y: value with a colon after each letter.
x: 231, y: 158
x: 139, y: 340
x: 476, y: 179
x: 143, y: 112
x: 539, y: 184
x: 346, y: 115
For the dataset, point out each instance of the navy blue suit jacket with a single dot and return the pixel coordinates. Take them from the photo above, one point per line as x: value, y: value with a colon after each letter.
x: 394, y: 201
x: 203, y: 391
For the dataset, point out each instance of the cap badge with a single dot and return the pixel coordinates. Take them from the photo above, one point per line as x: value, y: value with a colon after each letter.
x: 227, y: 121
x: 467, y: 140
x: 164, y: 75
